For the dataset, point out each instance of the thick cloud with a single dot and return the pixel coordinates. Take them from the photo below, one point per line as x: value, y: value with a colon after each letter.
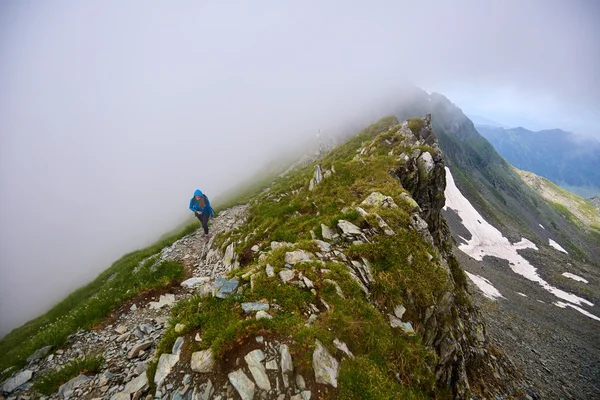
x: 112, y: 112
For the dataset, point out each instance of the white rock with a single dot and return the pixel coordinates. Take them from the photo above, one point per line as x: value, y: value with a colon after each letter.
x: 426, y: 161
x: 325, y: 365
x: 67, y: 389
x: 164, y: 300
x: 270, y: 270
x: 286, y: 275
x: 399, y: 311
x: 272, y: 365
x: 244, y: 386
x: 196, y: 281
x: 297, y: 256
x: 139, y: 383
x: 323, y: 246
x: 166, y: 362
x: 253, y: 359
x: 327, y: 233
x: 349, y: 228
x: 263, y: 314
x: 343, y: 347
x: 202, y: 361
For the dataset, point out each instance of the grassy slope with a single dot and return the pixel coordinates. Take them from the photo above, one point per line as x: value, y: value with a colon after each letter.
x: 289, y: 212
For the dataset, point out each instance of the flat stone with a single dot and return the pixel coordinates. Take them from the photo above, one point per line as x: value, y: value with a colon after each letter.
x: 177, y: 346
x: 327, y: 233
x: 203, y: 361
x: 286, y: 275
x: 228, y: 288
x: 263, y: 314
x: 253, y: 359
x: 379, y: 200
x: 19, y: 379
x: 349, y: 228
x: 164, y: 300
x: 196, y: 281
x: 399, y: 311
x: 138, y: 384
x: 67, y: 389
x: 244, y: 386
x: 300, y: 384
x: 343, y: 347
x: 297, y: 256
x: 325, y: 365
x: 39, y: 353
x: 270, y: 271
x: 255, y: 306
x: 138, y: 348
x: 166, y: 362
x: 323, y: 246
x: 287, y: 367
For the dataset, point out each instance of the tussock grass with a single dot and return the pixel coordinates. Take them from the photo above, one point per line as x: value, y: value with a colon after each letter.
x: 50, y: 382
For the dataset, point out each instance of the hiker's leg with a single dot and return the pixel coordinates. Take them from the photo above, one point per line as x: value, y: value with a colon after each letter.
x: 204, y: 219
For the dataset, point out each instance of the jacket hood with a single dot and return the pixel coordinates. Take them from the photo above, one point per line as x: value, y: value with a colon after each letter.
x: 198, y: 192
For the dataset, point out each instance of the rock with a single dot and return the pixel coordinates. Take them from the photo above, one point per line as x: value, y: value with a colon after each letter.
x: 325, y: 366
x: 338, y: 289
x: 166, y: 362
x: 277, y: 245
x: 349, y: 228
x: 207, y: 392
x: 270, y: 271
x: 394, y: 322
x: 309, y: 284
x: 137, y: 348
x: 383, y: 225
x: 327, y: 233
x: 179, y: 328
x: 67, y: 389
x: 287, y: 367
x: 229, y: 255
x: 362, y: 212
x: 133, y: 307
x: 121, y: 329
x: 244, y: 386
x: 399, y: 311
x: 121, y: 396
x: 286, y: 275
x: 164, y: 300
x: 253, y: 359
x: 263, y: 314
x: 255, y: 248
x: 323, y: 246
x: 271, y: 365
x: 297, y: 256
x: 139, y: 384
x: 311, y: 319
x: 379, y: 200
x: 316, y: 179
x: 202, y: 361
x: 407, y: 328
x: 19, y: 379
x: 426, y: 162
x: 414, y: 206
x: 196, y: 281
x: 255, y: 306
x: 177, y: 346
x: 300, y: 384
x: 39, y: 354
x: 228, y: 288
x: 343, y: 347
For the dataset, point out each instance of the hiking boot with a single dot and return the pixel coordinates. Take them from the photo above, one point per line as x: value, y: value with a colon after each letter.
x: 207, y: 236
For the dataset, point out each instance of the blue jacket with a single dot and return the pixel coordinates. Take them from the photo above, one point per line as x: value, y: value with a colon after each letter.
x: 194, y: 206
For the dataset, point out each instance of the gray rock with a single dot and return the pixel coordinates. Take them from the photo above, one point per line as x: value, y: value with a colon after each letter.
x: 343, y: 347
x: 255, y: 248
x: 263, y: 314
x: 121, y: 329
x: 166, y: 362
x: 296, y: 397
x: 323, y: 246
x: 407, y: 328
x: 138, y: 384
x: 316, y: 179
x: 287, y: 367
x: 379, y: 200
x: 207, y: 391
x: 67, y: 389
x: 271, y: 365
x: 202, y: 361
x: 414, y: 206
x: 327, y: 233
x: 277, y: 245
x: 229, y: 255
x: 228, y: 288
x: 297, y: 256
x: 306, y: 394
x: 135, y: 351
x: 426, y: 162
x: 399, y: 311
x: 255, y: 306
x: 253, y: 359
x: 270, y: 271
x: 394, y: 322
x: 338, y: 289
x: 19, y: 379
x: 39, y: 353
x: 121, y: 396
x: 177, y: 346
x: 383, y: 225
x: 164, y: 300
x: 286, y: 275
x: 348, y: 227
x: 325, y: 365
x: 300, y: 384
x: 244, y: 386
x: 196, y: 281
x: 309, y: 284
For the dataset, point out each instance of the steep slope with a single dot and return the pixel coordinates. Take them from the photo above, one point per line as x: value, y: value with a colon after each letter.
x: 569, y: 160
x: 540, y: 267
x: 338, y: 281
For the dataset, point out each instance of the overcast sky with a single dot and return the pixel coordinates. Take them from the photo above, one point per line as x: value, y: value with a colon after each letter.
x: 113, y: 112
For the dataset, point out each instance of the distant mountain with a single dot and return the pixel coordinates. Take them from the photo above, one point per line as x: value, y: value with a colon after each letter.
x: 571, y: 161
x: 479, y: 120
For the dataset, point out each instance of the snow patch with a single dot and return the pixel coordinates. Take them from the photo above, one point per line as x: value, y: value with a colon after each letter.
x: 574, y: 277
x: 556, y: 246
x: 521, y: 294
x: 488, y: 241
x: 541, y: 226
x: 485, y: 286
x: 581, y: 310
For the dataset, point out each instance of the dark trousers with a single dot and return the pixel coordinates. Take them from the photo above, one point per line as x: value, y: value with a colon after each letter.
x: 204, y: 220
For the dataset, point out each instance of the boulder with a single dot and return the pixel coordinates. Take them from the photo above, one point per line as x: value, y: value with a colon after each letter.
x: 253, y: 359
x: 325, y: 365
x: 166, y: 362
x: 67, y: 389
x: 203, y: 361
x: 19, y: 379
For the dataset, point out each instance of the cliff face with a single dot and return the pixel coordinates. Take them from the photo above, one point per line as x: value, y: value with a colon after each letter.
x: 336, y: 282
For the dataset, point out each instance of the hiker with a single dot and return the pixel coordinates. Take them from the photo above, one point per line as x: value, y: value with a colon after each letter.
x: 201, y: 208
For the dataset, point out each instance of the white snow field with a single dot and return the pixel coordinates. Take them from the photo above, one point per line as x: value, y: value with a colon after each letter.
x: 488, y: 241
x: 556, y: 246
x: 581, y: 310
x: 485, y: 286
x: 574, y: 277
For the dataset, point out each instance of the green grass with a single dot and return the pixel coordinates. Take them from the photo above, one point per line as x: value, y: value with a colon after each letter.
x: 49, y: 383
